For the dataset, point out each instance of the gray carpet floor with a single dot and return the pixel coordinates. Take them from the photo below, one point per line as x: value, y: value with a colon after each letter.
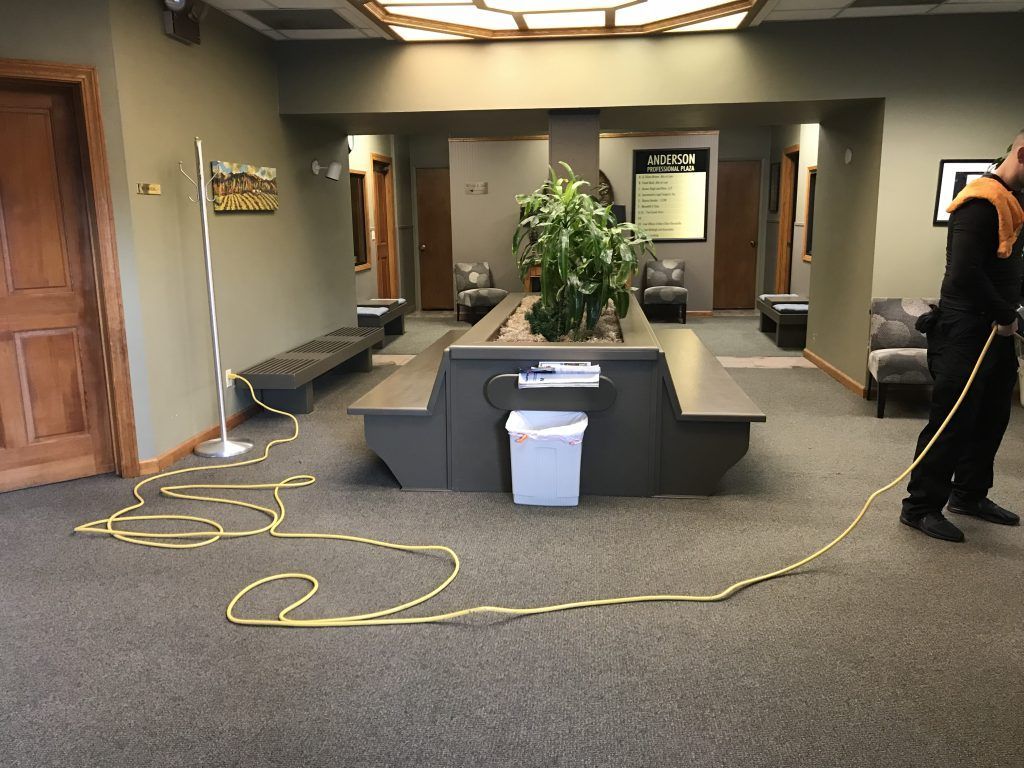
x: 893, y: 650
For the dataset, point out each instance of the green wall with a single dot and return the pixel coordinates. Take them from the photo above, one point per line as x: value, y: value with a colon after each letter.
x: 937, y: 104
x: 281, y: 278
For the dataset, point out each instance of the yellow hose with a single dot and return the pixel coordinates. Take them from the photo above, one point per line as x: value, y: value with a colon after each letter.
x: 191, y: 539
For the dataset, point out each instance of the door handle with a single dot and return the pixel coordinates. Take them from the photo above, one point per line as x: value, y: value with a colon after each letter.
x: 753, y: 243
x: 423, y: 247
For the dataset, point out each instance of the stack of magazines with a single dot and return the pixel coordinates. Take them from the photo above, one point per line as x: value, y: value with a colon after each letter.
x: 563, y: 374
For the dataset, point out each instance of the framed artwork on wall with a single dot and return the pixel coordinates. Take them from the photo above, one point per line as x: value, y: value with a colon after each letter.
x: 773, y: 187
x: 954, y: 175
x: 243, y: 188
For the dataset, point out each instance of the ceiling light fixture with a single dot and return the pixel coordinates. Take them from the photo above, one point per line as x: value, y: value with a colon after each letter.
x: 732, y: 21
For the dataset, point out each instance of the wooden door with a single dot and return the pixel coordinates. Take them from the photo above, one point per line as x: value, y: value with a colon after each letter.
x: 787, y: 218
x: 739, y: 203
x: 383, y: 222
x: 54, y: 418
x: 434, y: 221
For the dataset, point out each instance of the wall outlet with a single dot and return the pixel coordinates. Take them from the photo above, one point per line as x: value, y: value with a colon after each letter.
x: 228, y: 381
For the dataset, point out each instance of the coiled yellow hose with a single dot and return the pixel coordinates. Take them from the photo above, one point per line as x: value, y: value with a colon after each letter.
x: 190, y: 539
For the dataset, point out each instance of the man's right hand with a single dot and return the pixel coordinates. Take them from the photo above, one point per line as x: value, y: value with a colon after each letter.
x: 1008, y: 330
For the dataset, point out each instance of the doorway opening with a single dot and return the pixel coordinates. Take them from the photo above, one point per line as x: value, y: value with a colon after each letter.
x: 787, y: 218
x: 384, y: 222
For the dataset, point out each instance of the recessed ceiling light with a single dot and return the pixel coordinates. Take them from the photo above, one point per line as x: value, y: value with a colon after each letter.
x: 466, y: 15
x: 659, y: 10
x: 578, y: 20
x: 722, y: 22
x: 417, y: 35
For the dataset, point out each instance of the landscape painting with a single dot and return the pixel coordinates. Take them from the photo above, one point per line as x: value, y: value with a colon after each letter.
x: 240, y: 187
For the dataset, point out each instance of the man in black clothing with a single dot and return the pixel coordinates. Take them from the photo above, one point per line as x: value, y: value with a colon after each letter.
x: 983, y: 286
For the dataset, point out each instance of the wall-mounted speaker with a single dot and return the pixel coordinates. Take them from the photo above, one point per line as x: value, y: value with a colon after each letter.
x: 181, y: 20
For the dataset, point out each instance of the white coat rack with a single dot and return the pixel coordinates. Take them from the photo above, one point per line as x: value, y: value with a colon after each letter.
x: 218, y: 447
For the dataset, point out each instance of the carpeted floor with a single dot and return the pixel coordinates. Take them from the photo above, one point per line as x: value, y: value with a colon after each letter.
x: 894, y: 650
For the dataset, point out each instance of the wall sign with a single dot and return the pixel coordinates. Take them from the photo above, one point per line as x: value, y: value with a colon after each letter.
x: 954, y: 175
x: 670, y: 193
x: 476, y: 188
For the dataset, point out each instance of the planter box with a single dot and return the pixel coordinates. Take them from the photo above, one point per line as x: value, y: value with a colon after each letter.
x: 646, y: 428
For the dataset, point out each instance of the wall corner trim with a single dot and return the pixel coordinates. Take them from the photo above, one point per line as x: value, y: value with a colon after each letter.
x: 847, y: 381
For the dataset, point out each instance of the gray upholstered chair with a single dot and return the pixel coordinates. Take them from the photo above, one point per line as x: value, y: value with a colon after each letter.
x: 474, y: 288
x: 899, y: 352
x: 661, y: 289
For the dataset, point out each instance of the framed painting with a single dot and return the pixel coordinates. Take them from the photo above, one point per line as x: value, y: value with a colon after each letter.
x: 243, y: 188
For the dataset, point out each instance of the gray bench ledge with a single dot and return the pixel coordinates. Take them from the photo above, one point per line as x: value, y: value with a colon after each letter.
x: 699, y: 386
x: 411, y: 390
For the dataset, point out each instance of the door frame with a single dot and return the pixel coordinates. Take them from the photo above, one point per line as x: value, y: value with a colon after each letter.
x: 83, y: 84
x: 391, y: 224
x: 787, y: 213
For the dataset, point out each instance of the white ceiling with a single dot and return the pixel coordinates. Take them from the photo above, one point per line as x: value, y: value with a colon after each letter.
x: 773, y: 11
x: 806, y: 10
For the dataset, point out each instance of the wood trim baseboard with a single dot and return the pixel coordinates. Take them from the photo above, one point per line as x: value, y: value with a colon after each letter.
x: 167, y: 458
x: 700, y: 313
x: 850, y: 383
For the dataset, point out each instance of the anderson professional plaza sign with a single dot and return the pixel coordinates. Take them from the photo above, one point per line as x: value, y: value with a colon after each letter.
x: 670, y: 193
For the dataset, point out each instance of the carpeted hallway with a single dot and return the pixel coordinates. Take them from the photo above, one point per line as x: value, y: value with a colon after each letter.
x: 894, y: 650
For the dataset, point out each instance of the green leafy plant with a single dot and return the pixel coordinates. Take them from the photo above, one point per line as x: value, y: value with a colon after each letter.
x: 586, y: 257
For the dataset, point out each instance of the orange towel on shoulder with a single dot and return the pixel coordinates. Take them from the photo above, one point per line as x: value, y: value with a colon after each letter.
x: 1011, y: 215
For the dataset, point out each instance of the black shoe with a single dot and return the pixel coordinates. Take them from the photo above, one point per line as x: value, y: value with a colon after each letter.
x: 985, y: 509
x: 935, y: 525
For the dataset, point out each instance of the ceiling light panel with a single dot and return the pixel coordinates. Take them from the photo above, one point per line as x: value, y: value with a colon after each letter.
x: 465, y: 15
x: 575, y: 20
x: 659, y: 10
x: 538, y: 6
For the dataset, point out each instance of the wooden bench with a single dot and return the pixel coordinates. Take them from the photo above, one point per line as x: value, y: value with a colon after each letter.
x: 789, y: 328
x: 705, y: 416
x: 405, y: 418
x: 392, y: 321
x: 285, y: 381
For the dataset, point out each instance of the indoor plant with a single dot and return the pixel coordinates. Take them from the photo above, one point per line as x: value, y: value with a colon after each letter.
x: 586, y: 257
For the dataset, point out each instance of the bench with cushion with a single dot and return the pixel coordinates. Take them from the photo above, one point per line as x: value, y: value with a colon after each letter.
x: 785, y: 316
x: 898, y: 353
x: 285, y: 381
x: 388, y: 314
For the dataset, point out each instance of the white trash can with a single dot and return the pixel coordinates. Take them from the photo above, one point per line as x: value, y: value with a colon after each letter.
x: 546, y: 447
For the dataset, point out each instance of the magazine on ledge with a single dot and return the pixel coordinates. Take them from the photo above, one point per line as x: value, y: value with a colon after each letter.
x: 560, y: 374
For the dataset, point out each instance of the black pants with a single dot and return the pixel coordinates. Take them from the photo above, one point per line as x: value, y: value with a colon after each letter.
x: 961, y: 461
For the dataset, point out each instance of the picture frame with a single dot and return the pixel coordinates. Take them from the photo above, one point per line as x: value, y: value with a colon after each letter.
x: 243, y: 187
x: 773, y: 187
x: 954, y: 175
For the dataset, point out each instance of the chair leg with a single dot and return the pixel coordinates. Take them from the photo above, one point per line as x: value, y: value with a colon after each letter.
x: 867, y: 392
x: 881, y: 400
x: 682, y: 314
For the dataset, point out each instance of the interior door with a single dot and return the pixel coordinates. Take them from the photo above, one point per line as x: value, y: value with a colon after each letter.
x: 739, y: 202
x: 54, y: 417
x: 787, y: 218
x: 434, y: 221
x: 383, y: 220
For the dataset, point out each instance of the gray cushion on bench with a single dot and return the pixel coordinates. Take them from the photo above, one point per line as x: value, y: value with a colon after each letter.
x: 791, y: 308
x: 900, y: 366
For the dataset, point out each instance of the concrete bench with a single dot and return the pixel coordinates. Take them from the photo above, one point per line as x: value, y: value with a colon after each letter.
x: 789, y: 327
x: 405, y: 418
x: 285, y: 381
x: 392, y: 321
x: 705, y: 416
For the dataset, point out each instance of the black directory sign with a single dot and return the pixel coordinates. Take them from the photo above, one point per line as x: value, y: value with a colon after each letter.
x: 670, y: 193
